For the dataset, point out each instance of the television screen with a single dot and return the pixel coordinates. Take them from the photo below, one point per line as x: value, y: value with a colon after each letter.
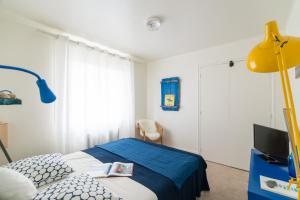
x: 271, y: 142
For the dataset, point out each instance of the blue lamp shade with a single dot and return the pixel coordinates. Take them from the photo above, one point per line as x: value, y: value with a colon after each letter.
x: 46, y: 94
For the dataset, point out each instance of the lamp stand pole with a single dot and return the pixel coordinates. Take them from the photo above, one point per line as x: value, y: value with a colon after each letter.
x: 5, y: 152
x: 290, y: 113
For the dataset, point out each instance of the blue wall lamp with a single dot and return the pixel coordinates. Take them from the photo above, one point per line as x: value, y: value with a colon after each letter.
x: 46, y: 94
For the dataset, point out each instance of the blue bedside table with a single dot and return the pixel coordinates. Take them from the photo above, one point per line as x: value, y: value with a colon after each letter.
x: 258, y: 167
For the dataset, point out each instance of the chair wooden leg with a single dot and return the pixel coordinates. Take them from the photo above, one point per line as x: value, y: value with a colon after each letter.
x: 161, y: 142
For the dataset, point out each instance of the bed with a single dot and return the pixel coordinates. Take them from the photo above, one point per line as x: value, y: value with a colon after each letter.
x: 160, y: 172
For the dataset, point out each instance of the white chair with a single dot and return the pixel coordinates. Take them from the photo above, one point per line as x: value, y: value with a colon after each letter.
x: 150, y: 130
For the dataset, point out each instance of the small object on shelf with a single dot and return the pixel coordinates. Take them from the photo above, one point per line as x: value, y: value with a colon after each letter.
x: 8, y: 98
x: 6, y: 94
x: 271, y: 184
x: 170, y: 94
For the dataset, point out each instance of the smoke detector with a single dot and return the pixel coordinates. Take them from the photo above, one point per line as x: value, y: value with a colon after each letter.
x: 153, y: 23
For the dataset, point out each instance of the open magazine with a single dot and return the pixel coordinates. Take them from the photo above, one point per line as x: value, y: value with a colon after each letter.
x: 111, y: 169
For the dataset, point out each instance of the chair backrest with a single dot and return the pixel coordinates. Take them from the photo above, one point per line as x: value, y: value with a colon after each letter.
x: 148, y: 125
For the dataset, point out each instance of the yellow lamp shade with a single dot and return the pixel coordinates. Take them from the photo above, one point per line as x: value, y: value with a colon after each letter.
x: 263, y: 57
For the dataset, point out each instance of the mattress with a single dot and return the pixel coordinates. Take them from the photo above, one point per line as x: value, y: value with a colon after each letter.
x: 149, y: 180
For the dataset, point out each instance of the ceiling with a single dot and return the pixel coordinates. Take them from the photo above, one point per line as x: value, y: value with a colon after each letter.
x: 188, y: 25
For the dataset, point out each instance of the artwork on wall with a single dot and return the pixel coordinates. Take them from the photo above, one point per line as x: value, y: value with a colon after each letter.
x: 170, y: 94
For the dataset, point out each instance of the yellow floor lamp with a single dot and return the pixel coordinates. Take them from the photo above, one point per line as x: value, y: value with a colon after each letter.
x: 278, y: 53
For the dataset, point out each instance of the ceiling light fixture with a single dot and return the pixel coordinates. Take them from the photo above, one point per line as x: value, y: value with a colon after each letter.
x: 153, y: 23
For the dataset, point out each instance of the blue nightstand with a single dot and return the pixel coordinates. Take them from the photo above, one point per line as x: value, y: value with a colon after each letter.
x: 258, y: 167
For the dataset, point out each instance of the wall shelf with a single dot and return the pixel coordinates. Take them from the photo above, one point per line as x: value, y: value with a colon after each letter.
x: 10, y: 101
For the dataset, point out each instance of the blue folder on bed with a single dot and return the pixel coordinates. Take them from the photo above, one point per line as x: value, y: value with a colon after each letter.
x: 175, y: 165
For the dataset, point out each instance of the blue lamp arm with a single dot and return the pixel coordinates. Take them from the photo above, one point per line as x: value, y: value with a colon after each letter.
x: 47, y: 96
x: 20, y: 69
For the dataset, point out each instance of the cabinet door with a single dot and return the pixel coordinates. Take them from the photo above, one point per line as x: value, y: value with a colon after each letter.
x: 231, y: 100
x: 214, y: 113
x: 250, y: 102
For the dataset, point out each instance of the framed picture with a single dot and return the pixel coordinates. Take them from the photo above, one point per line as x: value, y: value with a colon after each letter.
x: 170, y: 94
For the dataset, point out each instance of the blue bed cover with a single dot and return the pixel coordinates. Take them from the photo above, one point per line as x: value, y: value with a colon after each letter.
x: 170, y: 173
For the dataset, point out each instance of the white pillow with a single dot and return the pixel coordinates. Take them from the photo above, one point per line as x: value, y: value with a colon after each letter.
x: 15, y: 186
x: 42, y: 169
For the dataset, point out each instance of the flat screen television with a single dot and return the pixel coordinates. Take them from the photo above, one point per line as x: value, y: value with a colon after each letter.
x: 273, y: 143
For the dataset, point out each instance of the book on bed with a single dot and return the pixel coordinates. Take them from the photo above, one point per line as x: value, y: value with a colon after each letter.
x: 111, y: 169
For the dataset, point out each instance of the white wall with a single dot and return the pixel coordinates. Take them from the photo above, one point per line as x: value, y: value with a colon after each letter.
x: 293, y: 28
x: 182, y: 127
x: 140, y: 77
x: 30, y: 124
x: 293, y: 23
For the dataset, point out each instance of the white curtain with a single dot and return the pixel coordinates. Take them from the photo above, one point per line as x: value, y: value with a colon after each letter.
x: 95, y: 96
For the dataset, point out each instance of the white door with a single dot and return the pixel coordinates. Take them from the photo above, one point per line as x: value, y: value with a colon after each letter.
x: 231, y: 100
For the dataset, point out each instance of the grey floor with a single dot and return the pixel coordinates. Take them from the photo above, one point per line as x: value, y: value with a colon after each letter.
x: 226, y: 183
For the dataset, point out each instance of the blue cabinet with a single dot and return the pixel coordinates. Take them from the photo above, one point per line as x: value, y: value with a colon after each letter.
x: 258, y: 167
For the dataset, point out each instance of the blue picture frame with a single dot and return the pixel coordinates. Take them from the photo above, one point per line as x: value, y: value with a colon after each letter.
x: 170, y: 94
